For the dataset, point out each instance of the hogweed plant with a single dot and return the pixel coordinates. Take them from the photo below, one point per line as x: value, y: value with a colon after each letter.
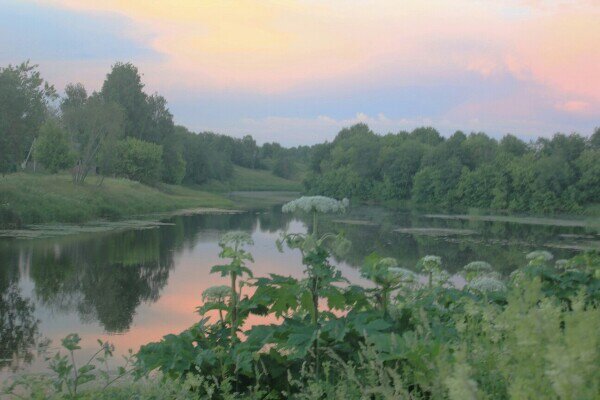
x: 315, y: 205
x: 68, y: 377
x: 482, y: 278
x: 216, y: 298
x: 400, y: 339
x: 320, y: 273
x: 232, y: 247
x: 539, y: 257
x: 432, y: 267
x: 387, y: 276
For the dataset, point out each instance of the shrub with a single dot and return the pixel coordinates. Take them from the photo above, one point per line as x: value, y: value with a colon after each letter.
x: 138, y: 160
x: 53, y: 149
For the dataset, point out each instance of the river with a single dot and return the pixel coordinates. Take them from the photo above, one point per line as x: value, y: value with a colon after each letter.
x: 133, y: 286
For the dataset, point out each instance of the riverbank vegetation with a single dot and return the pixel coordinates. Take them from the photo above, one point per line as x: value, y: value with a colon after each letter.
x: 423, y: 168
x: 252, y: 180
x: 122, y: 131
x: 412, y: 333
x: 119, y: 131
x: 38, y: 198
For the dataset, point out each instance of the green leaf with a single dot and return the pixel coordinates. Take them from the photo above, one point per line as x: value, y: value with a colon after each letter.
x: 71, y: 342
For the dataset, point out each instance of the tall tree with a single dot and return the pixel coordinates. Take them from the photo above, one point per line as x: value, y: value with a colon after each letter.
x: 123, y: 86
x: 95, y: 126
x: 24, y: 100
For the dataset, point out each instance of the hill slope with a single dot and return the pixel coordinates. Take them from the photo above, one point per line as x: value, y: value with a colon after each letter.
x: 37, y: 198
x: 245, y: 179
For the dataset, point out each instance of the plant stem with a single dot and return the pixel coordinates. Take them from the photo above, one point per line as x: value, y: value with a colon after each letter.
x: 76, y: 375
x: 233, y: 309
x: 384, y: 300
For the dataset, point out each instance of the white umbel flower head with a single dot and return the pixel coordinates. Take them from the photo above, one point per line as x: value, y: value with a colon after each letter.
x: 478, y: 266
x: 236, y: 238
x: 539, y: 255
x: 320, y: 204
x: 431, y: 263
x: 216, y: 293
x: 403, y: 273
x: 485, y: 284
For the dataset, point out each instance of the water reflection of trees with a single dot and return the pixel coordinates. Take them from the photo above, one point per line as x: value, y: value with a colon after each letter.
x: 106, y: 277
x: 18, y: 325
x: 501, y: 244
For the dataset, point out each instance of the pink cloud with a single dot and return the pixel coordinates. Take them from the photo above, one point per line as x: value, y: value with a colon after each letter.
x: 574, y: 106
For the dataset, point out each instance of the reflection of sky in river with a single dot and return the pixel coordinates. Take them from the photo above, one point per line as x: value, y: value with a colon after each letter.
x: 148, y: 283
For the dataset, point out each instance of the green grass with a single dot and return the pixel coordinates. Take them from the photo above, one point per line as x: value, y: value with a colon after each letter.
x: 37, y: 198
x: 245, y: 179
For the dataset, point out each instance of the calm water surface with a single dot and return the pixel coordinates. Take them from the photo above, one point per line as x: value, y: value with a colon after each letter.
x: 135, y: 286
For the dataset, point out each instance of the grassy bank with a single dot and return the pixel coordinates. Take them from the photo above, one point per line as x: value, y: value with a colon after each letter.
x: 245, y: 179
x: 36, y: 198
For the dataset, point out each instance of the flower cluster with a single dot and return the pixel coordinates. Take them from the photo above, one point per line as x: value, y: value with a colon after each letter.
x: 478, y: 266
x: 216, y: 293
x: 431, y: 263
x: 236, y: 238
x: 486, y: 284
x: 403, y: 273
x: 319, y: 204
x: 540, y: 255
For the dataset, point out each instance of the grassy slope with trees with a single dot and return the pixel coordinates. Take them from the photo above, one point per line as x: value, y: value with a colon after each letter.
x: 246, y: 179
x: 121, y: 131
x: 118, y: 132
x: 36, y: 198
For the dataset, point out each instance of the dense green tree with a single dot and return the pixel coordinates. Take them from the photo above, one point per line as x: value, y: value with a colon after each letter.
x: 75, y: 97
x: 139, y: 160
x: 398, y: 165
x: 319, y: 153
x: 173, y: 163
x: 588, y: 185
x: 24, y: 101
x: 566, y: 147
x: 476, y: 188
x: 123, y: 86
x: 53, y: 148
x: 459, y: 172
x: 95, y: 126
x: 283, y: 167
x: 595, y: 139
x: 512, y: 145
x: 427, y: 135
x: 478, y: 149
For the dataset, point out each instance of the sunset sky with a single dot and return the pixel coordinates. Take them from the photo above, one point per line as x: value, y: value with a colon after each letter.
x: 298, y: 71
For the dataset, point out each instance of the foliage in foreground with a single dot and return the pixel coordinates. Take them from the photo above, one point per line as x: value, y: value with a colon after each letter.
x: 536, y: 340
x: 530, y: 335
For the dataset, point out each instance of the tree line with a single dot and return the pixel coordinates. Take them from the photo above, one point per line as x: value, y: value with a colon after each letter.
x: 561, y: 174
x: 118, y: 131
x: 123, y: 131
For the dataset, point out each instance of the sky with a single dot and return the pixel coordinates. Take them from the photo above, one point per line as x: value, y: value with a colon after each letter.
x: 296, y: 72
